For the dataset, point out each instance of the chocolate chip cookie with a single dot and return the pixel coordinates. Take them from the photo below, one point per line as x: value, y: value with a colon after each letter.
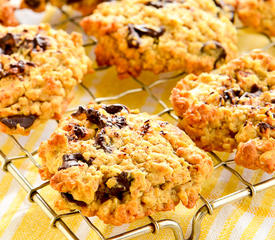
x: 161, y: 36
x: 84, y: 6
x: 7, y: 17
x: 122, y: 165
x: 39, y: 67
x: 232, y: 107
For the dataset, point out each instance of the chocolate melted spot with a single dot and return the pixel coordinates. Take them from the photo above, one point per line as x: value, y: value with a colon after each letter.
x: 80, y: 132
x: 254, y: 88
x: 264, y: 126
x: 33, y: 3
x: 71, y: 160
x: 24, y: 121
x: 96, y: 117
x: 69, y: 197
x: 40, y: 41
x: 135, y: 32
x: 158, y: 4
x: 7, y: 44
x: 101, y: 142
x: 231, y: 94
x: 145, y: 128
x: 123, y: 185
x: 221, y: 56
x: 115, y: 108
x: 79, y: 111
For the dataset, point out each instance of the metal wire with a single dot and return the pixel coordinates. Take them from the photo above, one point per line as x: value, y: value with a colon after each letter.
x: 154, y: 226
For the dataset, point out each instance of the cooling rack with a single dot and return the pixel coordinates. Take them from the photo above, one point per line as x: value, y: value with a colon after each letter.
x: 154, y: 226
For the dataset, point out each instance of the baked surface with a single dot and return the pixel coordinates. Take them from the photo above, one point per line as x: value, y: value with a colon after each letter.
x: 7, y: 17
x: 161, y: 36
x: 232, y: 107
x: 84, y: 6
x: 259, y: 14
x: 121, y: 165
x: 37, y: 74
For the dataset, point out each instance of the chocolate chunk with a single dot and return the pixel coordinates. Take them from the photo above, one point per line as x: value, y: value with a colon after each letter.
x: 135, y: 32
x: 41, y: 42
x: 158, y: 4
x: 33, y: 3
x: 71, y: 160
x: 123, y: 185
x: 96, y: 117
x: 69, y: 197
x: 115, y: 108
x: 231, y: 94
x: 80, y: 132
x: 145, y: 127
x: 18, y: 67
x: 24, y: 121
x: 79, y: 111
x: 119, y: 121
x: 101, y: 142
x: 7, y: 44
x: 264, y: 126
x: 2, y: 73
x: 273, y: 100
x: 254, y: 88
x: 218, y: 47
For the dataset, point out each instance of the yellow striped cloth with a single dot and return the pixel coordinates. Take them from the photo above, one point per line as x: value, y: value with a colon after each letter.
x: 247, y: 219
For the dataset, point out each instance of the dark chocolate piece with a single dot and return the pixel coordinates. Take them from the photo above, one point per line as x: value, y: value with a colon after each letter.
x: 158, y: 4
x: 123, y: 185
x: 79, y: 111
x: 7, y: 44
x: 114, y: 108
x: 71, y: 160
x: 40, y: 41
x: 80, y: 132
x: 264, y: 126
x: 254, y: 88
x: 218, y: 46
x: 101, y: 142
x: 33, y: 3
x: 145, y: 127
x: 135, y: 32
x: 231, y: 94
x: 24, y: 121
x: 69, y: 197
x: 96, y: 117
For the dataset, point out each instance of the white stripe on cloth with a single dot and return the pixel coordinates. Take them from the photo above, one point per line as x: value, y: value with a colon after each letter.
x: 264, y: 229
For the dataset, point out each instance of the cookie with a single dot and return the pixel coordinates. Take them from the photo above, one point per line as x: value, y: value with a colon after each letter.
x: 84, y: 6
x: 7, y: 17
x: 37, y: 74
x: 122, y: 165
x: 161, y: 36
x: 259, y: 14
x: 232, y: 107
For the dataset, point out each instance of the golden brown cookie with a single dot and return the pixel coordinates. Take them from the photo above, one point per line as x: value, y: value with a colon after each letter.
x: 7, y: 17
x: 161, y: 36
x: 259, y: 14
x: 232, y: 107
x: 122, y: 165
x: 39, y: 67
x: 84, y: 6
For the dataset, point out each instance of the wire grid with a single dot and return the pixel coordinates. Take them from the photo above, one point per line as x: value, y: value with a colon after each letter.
x: 154, y: 226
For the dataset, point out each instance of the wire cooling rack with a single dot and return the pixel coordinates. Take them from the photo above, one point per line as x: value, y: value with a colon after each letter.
x: 154, y: 226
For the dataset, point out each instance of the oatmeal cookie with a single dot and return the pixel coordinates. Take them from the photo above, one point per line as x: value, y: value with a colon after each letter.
x: 161, y: 36
x: 39, y: 67
x: 122, y: 165
x: 84, y: 6
x: 259, y: 14
x: 232, y: 107
x: 7, y: 17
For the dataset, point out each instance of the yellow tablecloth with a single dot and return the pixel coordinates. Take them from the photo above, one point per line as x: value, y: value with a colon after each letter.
x: 19, y: 219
